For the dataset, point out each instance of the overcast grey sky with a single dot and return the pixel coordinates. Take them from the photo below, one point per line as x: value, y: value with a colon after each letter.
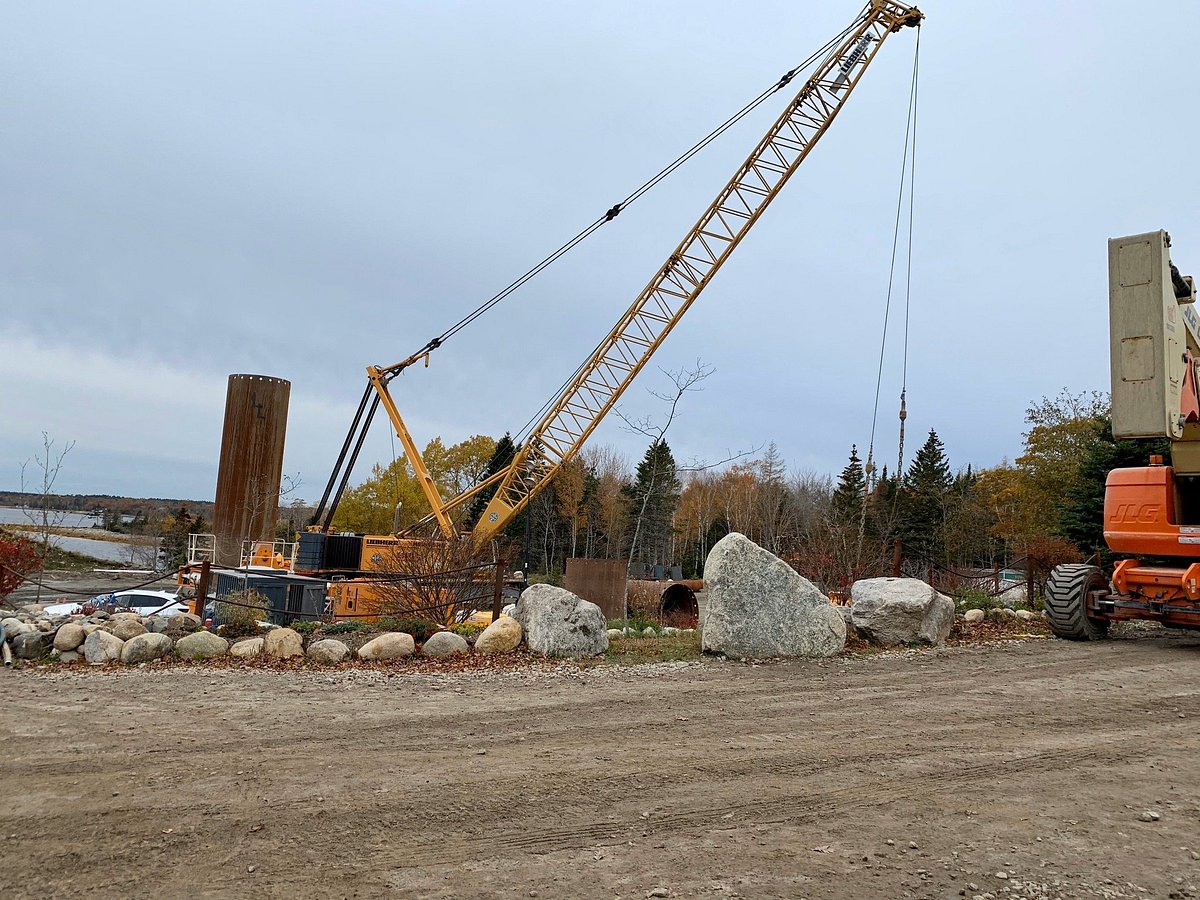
x: 300, y: 189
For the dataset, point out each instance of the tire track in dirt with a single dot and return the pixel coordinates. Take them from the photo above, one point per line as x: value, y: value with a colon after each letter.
x: 809, y: 803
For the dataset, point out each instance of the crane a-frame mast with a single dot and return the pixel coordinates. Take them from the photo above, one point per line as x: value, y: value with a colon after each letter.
x: 673, y: 289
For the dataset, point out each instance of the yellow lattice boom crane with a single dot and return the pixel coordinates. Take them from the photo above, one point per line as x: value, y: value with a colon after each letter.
x: 641, y: 330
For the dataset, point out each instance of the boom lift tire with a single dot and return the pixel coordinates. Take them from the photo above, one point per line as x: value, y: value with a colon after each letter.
x: 1066, y: 602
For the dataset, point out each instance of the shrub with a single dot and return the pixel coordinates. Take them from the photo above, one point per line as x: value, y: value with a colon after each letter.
x: 344, y: 627
x: 468, y: 629
x: 636, y: 623
x: 554, y: 577
x: 239, y: 629
x: 306, y: 627
x: 244, y: 609
x: 18, y: 557
x: 972, y: 598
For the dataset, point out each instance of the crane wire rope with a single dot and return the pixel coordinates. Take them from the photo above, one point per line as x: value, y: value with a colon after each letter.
x: 639, y: 192
x: 912, y: 176
x: 907, y: 173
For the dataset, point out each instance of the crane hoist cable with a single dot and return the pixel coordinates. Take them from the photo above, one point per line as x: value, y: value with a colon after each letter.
x: 912, y: 176
x: 907, y: 175
x: 617, y: 208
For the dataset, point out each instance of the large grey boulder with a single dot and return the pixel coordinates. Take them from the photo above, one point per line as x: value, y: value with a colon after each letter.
x: 30, y: 645
x: 102, y: 647
x: 248, y: 648
x: 759, y: 607
x: 283, y: 643
x: 201, y: 645
x: 445, y: 643
x: 558, y: 623
x: 502, y: 636
x: 69, y: 637
x: 179, y: 624
x: 145, y: 647
x: 892, y: 611
x: 392, y: 645
x: 13, y: 627
x: 328, y: 651
x: 126, y: 626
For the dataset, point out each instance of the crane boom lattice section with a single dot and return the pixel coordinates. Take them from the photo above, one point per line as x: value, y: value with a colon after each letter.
x: 631, y: 343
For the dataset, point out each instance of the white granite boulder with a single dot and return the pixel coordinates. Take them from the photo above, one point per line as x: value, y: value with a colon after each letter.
x: 391, y: 645
x: 145, y: 647
x: 247, y: 648
x: 759, y: 607
x: 558, y: 623
x: 445, y: 643
x: 894, y: 611
x: 126, y: 626
x: 283, y: 643
x: 201, y: 645
x: 328, y: 651
x: 102, y: 647
x: 69, y: 637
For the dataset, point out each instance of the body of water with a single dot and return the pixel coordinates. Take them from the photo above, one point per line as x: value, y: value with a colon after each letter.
x: 14, y: 515
x: 109, y: 551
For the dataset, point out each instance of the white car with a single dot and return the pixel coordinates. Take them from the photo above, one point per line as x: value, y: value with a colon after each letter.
x: 142, y: 601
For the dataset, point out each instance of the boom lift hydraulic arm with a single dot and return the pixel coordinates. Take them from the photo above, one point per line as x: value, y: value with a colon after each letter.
x: 614, y: 364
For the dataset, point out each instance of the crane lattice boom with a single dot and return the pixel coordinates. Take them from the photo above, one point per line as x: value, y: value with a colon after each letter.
x: 677, y: 284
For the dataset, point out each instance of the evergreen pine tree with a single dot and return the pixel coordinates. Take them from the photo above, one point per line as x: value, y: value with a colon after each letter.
x: 846, y: 504
x: 926, y: 486
x: 502, y: 456
x: 655, y: 494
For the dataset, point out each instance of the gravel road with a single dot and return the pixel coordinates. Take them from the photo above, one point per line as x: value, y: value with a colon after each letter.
x: 1022, y: 770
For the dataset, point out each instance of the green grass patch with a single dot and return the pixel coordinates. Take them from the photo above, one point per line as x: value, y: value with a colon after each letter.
x: 625, y: 651
x: 66, y: 561
x: 636, y: 622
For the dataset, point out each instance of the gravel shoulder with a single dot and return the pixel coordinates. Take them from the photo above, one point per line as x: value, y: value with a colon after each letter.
x: 1017, y: 770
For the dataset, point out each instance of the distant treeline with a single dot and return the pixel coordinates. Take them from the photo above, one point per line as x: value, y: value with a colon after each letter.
x: 102, y: 503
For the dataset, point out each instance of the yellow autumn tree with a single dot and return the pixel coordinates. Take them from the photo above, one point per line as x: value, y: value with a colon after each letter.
x: 391, y: 498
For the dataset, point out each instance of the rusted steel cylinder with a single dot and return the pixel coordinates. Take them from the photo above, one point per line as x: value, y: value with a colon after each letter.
x: 251, y: 466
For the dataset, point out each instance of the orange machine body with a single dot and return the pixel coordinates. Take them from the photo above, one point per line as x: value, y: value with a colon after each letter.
x: 1141, y: 519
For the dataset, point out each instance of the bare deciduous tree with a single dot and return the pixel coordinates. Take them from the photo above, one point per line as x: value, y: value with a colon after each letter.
x: 40, y: 514
x: 435, y: 579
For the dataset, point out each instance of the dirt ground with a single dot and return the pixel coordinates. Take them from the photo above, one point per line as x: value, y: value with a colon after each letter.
x: 1020, y: 770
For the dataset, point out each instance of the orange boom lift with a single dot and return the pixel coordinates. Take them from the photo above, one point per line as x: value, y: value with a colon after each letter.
x: 1151, y: 513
